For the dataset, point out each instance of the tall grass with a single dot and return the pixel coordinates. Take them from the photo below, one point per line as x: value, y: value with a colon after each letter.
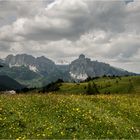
x: 71, y: 116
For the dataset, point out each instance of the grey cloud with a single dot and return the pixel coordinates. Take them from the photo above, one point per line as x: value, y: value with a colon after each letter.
x: 70, y: 19
x: 4, y: 46
x: 104, y: 30
x: 124, y: 48
x: 84, y: 17
x: 20, y: 8
x: 58, y: 23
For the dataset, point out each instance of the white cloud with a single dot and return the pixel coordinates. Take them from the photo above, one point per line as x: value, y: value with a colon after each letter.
x: 62, y: 29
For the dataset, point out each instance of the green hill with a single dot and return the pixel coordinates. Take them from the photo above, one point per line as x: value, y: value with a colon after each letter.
x: 106, y: 85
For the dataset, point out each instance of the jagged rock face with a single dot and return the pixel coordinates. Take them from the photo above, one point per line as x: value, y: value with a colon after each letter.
x: 20, y: 60
x: 29, y: 69
x: 83, y: 67
x: 40, y: 64
x: 45, y: 65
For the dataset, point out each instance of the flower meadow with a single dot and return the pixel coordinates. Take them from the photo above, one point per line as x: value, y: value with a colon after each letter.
x: 55, y: 116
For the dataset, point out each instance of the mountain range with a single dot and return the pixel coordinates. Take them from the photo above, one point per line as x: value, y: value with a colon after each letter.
x: 36, y: 72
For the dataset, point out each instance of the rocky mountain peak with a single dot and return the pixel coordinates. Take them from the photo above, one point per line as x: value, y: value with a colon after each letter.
x: 83, y: 67
x: 19, y: 60
x: 82, y: 56
x: 44, y: 60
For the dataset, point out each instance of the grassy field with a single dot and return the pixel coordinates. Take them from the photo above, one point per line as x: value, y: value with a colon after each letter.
x: 62, y: 116
x: 71, y: 116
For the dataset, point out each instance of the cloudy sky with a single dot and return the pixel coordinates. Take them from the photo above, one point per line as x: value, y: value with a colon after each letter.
x: 105, y: 30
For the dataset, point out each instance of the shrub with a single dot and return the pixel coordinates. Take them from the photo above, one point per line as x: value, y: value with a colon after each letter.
x: 54, y: 86
x: 92, y: 89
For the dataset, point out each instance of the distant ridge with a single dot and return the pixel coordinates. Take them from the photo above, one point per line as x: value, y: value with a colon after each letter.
x: 7, y: 83
x: 41, y: 70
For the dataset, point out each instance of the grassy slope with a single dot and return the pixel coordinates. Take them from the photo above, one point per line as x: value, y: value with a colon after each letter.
x: 106, y: 85
x: 71, y: 116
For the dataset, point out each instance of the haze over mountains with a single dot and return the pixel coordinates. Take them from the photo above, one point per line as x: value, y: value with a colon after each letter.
x: 39, y: 71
